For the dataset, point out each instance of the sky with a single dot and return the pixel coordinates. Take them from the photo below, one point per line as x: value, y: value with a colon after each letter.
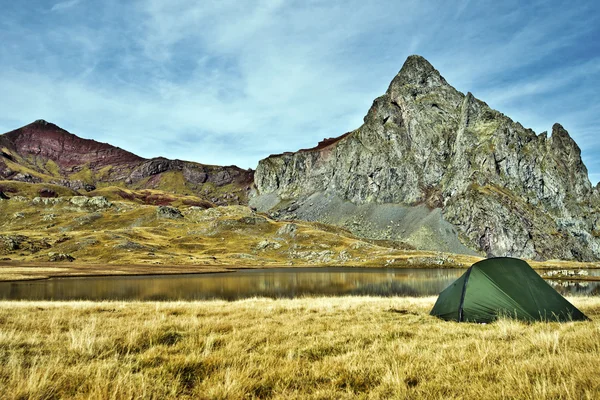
x: 230, y: 82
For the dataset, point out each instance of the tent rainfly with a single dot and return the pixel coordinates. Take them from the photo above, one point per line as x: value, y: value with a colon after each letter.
x: 503, y: 286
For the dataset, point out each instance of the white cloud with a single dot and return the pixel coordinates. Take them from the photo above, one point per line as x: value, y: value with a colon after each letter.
x: 63, y: 5
x: 226, y: 82
x: 542, y: 83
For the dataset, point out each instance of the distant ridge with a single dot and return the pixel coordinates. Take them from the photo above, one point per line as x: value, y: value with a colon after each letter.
x: 42, y: 152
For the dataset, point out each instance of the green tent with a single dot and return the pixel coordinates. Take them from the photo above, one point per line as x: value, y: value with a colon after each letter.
x: 503, y: 286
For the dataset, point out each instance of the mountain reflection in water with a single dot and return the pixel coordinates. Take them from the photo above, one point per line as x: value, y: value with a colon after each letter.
x: 274, y: 283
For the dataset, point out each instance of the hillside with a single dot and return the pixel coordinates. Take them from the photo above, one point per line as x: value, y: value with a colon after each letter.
x: 41, y: 152
x: 441, y: 170
x: 39, y: 236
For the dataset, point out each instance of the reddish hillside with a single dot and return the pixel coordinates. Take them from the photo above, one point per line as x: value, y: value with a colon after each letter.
x: 43, y: 153
x: 48, y: 141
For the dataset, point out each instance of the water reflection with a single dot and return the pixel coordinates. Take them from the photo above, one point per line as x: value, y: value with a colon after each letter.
x: 576, y: 287
x: 275, y: 283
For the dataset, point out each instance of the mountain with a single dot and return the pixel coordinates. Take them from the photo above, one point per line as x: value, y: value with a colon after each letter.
x: 441, y: 170
x: 41, y: 152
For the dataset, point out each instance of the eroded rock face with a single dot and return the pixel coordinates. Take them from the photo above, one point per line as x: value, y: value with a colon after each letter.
x: 154, y: 166
x: 75, y: 184
x: 192, y: 172
x: 503, y: 187
x: 24, y: 177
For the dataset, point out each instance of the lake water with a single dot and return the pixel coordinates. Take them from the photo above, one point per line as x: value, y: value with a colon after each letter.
x: 275, y: 283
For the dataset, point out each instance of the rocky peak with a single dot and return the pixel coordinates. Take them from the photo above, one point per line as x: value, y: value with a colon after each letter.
x: 418, y: 71
x: 561, y: 140
x: 42, y: 122
x: 505, y: 190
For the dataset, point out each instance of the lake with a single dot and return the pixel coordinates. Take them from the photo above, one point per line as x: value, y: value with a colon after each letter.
x: 274, y: 283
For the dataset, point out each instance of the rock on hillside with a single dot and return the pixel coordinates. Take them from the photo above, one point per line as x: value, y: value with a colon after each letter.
x: 41, y: 152
x: 440, y: 170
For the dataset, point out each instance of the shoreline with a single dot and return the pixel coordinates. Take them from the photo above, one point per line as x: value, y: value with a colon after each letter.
x: 573, y: 278
x: 26, y: 271
x: 16, y: 271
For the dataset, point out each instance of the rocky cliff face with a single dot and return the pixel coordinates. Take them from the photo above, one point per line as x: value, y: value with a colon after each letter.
x: 41, y: 152
x: 504, y: 190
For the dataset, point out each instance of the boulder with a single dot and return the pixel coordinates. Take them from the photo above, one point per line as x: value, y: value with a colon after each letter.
x: 95, y: 203
x: 48, y: 201
x: 288, y: 230
x: 60, y: 257
x: 267, y: 244
x: 168, y: 212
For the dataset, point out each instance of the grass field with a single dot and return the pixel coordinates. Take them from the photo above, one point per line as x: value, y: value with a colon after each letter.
x: 319, y: 348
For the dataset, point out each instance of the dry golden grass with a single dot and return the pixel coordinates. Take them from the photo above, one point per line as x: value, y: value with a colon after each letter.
x: 322, y: 348
x: 133, y: 234
x: 130, y: 238
x: 14, y: 188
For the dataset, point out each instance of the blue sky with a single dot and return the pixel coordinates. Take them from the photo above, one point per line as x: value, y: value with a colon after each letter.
x: 230, y: 82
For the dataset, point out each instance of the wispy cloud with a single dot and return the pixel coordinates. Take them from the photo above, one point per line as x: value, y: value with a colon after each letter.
x: 63, y: 5
x: 230, y: 82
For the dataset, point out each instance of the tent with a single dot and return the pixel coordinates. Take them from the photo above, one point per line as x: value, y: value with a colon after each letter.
x: 503, y: 286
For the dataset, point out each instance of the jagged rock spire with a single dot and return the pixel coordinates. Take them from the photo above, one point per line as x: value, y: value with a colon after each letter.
x: 418, y: 71
x: 505, y: 190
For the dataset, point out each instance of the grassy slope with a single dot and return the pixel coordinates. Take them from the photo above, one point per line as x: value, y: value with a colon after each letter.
x: 31, y: 190
x: 339, y: 348
x: 131, y: 233
x: 129, y: 237
x: 149, y: 196
x: 171, y: 182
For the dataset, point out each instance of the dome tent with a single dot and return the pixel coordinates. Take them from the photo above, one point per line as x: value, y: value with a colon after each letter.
x: 503, y: 286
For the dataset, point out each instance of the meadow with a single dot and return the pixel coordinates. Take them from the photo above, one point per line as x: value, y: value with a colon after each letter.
x: 315, y: 348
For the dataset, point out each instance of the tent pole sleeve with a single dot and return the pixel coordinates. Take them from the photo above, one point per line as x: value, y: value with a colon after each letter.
x: 462, y: 296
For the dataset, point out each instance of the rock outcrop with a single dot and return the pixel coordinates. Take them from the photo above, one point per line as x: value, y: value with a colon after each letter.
x: 193, y: 173
x: 499, y: 189
x: 90, y: 203
x: 168, y: 212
